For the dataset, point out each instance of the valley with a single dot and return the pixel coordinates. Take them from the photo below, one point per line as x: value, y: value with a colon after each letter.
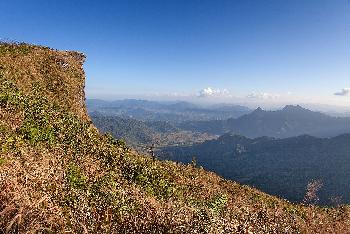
x: 279, y: 152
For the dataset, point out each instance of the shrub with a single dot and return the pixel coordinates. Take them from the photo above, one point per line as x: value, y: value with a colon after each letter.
x: 75, y: 177
x: 217, y: 204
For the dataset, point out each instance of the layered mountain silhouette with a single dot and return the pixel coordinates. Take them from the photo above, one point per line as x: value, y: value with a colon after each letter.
x: 175, y: 112
x: 287, y: 122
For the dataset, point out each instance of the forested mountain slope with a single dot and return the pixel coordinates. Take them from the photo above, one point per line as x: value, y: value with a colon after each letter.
x: 142, y: 134
x: 282, y: 167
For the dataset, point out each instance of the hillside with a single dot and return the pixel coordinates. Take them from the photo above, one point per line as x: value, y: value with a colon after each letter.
x: 133, y: 131
x: 59, y: 174
x: 281, y: 167
x: 142, y: 134
x: 287, y: 122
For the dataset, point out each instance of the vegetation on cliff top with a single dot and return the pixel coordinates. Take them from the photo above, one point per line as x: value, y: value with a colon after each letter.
x: 59, y: 174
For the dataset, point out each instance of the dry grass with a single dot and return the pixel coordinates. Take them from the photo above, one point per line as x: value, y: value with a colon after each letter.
x: 58, y: 174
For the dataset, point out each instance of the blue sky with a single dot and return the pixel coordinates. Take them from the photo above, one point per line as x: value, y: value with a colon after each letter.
x: 246, y: 51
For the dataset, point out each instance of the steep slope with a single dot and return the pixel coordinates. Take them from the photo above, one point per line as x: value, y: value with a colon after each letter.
x: 288, y: 122
x: 281, y: 167
x: 58, y: 174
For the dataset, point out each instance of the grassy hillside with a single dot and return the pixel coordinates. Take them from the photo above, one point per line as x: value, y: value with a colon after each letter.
x: 59, y: 174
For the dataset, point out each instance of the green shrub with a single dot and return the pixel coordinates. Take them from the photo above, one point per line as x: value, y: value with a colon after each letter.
x: 217, y: 204
x: 76, y: 177
x: 34, y: 132
x: 2, y: 161
x: 153, y: 179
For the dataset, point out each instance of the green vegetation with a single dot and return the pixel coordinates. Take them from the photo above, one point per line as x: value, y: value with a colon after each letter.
x: 75, y: 177
x: 2, y: 161
x: 153, y: 179
x: 217, y: 204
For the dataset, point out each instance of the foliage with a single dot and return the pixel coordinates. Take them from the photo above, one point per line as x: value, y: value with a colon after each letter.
x: 76, y: 177
x: 151, y: 177
x: 2, y: 161
x: 312, y: 189
x: 217, y: 204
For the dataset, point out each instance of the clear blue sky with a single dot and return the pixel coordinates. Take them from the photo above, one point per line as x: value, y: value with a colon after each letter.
x: 254, y: 49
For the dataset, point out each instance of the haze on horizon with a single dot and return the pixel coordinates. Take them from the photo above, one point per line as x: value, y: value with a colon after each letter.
x: 257, y: 53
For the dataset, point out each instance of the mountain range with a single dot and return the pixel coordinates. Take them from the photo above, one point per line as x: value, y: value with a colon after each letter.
x: 282, y: 167
x: 174, y: 112
x: 287, y: 122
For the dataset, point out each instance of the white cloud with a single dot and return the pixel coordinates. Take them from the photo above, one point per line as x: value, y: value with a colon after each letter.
x: 263, y: 96
x: 210, y: 92
x: 343, y: 92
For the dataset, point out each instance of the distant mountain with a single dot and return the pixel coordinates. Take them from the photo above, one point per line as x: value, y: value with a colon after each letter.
x: 175, y: 112
x: 133, y: 131
x: 338, y: 114
x: 287, y: 122
x: 282, y: 167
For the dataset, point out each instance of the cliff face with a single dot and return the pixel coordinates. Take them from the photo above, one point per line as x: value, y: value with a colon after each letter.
x: 58, y: 74
x: 59, y: 174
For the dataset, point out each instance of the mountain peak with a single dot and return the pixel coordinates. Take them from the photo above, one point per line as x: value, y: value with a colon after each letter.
x: 294, y: 108
x: 259, y: 109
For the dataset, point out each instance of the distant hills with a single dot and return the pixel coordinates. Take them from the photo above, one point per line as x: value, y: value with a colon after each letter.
x: 220, y: 119
x: 174, y: 112
x: 280, y: 167
x: 287, y: 122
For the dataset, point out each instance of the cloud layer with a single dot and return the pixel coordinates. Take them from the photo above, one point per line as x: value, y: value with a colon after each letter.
x: 263, y: 96
x: 210, y: 92
x: 343, y: 92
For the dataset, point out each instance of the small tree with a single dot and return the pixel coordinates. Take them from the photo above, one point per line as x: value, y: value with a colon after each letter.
x: 151, y: 151
x: 312, y: 189
x: 194, y: 161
